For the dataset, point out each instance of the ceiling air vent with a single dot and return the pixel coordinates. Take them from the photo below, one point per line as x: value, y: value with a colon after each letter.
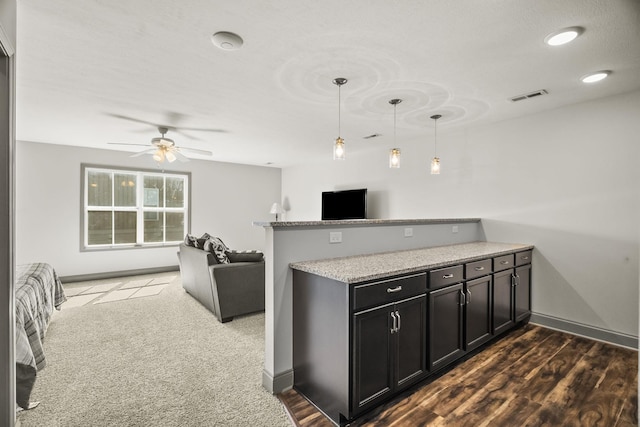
x: 529, y: 95
x: 373, y: 135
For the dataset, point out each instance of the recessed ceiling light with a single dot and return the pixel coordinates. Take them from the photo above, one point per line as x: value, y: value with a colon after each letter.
x: 595, y: 77
x: 226, y: 40
x: 563, y: 36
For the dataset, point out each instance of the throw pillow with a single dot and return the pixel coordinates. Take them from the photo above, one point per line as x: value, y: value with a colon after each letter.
x: 190, y: 240
x: 201, y: 240
x: 216, y: 246
x: 245, y: 256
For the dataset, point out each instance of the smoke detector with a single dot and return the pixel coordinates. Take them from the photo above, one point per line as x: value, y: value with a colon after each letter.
x: 226, y: 40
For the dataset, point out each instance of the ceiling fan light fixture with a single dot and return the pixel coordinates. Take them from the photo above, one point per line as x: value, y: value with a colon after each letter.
x: 158, y: 156
x: 170, y: 156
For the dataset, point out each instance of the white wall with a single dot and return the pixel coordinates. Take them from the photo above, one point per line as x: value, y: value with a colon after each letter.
x: 225, y: 200
x: 567, y: 181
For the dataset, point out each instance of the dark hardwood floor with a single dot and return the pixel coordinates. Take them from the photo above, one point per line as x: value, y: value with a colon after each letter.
x: 532, y: 377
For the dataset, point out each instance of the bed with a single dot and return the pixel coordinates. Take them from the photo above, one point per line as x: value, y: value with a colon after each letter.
x: 38, y: 291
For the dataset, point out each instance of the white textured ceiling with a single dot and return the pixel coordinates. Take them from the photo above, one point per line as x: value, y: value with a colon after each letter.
x: 86, y: 67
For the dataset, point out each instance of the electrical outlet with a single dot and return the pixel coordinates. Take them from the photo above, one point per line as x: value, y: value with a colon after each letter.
x: 335, y: 237
x: 454, y: 229
x: 408, y: 232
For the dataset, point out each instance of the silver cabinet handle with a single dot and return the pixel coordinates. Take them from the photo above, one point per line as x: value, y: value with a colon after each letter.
x: 525, y: 257
x: 399, y: 319
x: 504, y: 262
x: 468, y: 296
x: 517, y: 279
x: 479, y: 268
x: 447, y: 276
x: 463, y: 298
x: 513, y: 280
x: 396, y: 289
x: 394, y: 328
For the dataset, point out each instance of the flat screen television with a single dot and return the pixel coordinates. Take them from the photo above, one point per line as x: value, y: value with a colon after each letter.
x: 345, y: 204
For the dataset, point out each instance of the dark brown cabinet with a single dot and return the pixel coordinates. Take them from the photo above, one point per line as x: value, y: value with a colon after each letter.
x: 357, y: 345
x: 477, y: 312
x: 502, y: 301
x: 446, y: 343
x: 511, y: 290
x: 389, y: 350
x: 522, y: 285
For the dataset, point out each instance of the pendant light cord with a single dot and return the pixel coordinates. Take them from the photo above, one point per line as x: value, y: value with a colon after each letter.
x: 394, y: 122
x: 339, y: 111
x: 435, y: 136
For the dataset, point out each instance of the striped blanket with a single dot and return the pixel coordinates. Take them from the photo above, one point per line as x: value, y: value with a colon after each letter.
x: 38, y: 291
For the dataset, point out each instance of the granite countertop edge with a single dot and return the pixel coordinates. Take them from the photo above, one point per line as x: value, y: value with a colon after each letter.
x: 339, y: 268
x: 359, y: 222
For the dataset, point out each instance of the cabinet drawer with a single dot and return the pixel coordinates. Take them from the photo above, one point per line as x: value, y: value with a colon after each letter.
x: 503, y: 262
x: 445, y: 276
x: 477, y: 269
x: 523, y: 258
x: 377, y: 293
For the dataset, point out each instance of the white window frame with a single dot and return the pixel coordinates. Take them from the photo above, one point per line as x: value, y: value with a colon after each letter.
x: 140, y: 209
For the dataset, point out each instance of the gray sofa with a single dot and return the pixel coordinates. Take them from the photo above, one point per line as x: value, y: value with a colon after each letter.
x: 227, y: 290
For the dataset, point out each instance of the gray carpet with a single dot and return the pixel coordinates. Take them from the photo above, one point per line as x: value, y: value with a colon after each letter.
x: 162, y: 360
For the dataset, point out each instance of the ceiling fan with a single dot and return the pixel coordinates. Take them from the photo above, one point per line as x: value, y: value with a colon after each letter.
x: 165, y: 148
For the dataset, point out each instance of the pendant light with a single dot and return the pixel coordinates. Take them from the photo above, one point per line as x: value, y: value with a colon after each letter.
x: 435, y: 162
x: 338, y: 147
x: 394, y: 154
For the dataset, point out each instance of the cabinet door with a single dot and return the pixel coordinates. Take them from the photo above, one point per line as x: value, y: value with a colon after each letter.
x: 477, y: 312
x: 373, y: 358
x: 523, y: 292
x: 445, y: 325
x: 502, y: 301
x: 411, y: 338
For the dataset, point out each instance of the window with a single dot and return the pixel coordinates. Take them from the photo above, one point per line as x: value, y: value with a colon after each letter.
x: 125, y: 208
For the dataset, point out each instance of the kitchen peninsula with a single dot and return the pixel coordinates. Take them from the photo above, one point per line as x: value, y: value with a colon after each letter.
x: 288, y: 242
x: 367, y: 327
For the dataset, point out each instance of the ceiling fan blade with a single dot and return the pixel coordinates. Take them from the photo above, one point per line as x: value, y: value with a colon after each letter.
x: 179, y: 155
x: 127, y: 143
x: 142, y: 153
x: 199, y: 129
x: 196, y: 151
x: 133, y: 119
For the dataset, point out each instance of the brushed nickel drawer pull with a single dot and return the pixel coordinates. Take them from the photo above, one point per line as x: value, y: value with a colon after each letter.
x: 447, y: 276
x: 479, y: 268
x: 504, y: 262
x: 524, y: 257
x: 396, y: 289
x: 399, y: 321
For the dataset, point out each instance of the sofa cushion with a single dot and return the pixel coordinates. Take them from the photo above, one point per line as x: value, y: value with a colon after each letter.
x: 245, y: 256
x: 216, y: 246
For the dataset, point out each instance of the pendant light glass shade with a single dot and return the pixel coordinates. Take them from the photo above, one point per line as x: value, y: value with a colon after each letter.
x: 394, y: 154
x: 338, y: 149
x: 338, y: 146
x: 394, y: 158
x: 435, y: 162
x: 435, y: 166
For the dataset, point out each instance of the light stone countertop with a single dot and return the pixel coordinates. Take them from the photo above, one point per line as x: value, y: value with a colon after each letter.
x: 362, y: 268
x: 359, y: 222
